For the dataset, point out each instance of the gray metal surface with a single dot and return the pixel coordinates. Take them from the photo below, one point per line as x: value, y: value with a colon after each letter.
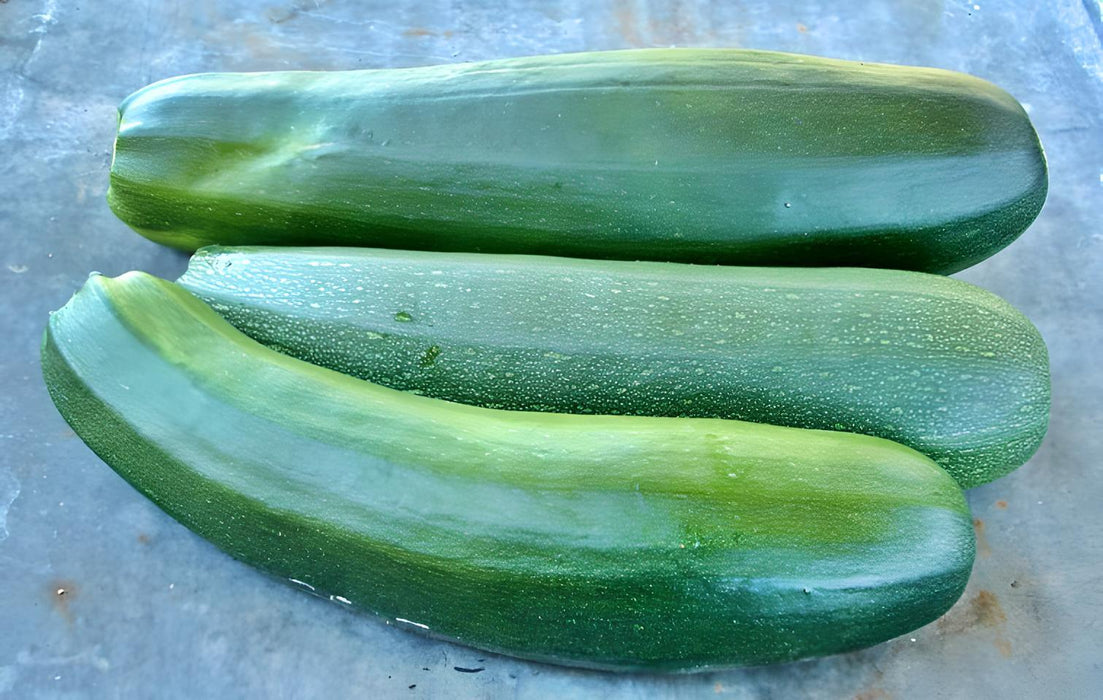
x: 101, y: 595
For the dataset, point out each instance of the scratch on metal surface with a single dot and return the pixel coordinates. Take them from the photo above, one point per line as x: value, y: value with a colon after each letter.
x: 14, y: 99
x: 47, y: 14
x: 46, y: 20
x: 1095, y: 14
x: 90, y: 657
x: 278, y: 15
x: 9, y: 491
x: 11, y: 104
x: 404, y: 54
x: 1084, y: 23
x: 369, y: 23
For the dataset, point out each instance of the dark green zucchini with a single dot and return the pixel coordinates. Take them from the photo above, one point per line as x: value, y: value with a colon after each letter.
x: 691, y: 155
x: 934, y: 363
x: 606, y: 541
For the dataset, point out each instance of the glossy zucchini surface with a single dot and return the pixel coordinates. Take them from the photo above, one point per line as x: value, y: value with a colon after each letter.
x: 693, y: 155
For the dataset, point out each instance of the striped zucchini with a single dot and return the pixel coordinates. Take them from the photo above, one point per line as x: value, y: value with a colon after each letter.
x: 605, y: 541
x: 934, y: 363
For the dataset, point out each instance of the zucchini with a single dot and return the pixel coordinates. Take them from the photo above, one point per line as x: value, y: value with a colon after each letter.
x: 690, y: 155
x: 606, y: 541
x: 934, y: 363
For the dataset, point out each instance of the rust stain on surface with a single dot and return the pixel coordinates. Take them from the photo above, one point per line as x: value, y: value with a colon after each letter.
x: 873, y: 694
x: 801, y: 28
x: 143, y: 538
x: 280, y: 14
x: 1002, y: 505
x: 418, y: 31
x: 983, y: 550
x: 982, y: 611
x: 627, y: 24
x: 62, y: 593
x: 988, y: 610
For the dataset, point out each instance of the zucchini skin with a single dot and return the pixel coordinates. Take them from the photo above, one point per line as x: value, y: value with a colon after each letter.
x: 605, y: 541
x: 688, y: 155
x: 937, y: 364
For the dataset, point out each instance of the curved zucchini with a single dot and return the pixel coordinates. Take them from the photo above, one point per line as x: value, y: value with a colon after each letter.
x: 690, y: 155
x: 937, y: 364
x: 606, y: 541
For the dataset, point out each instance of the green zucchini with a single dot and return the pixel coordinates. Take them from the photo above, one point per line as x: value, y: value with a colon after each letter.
x: 607, y: 541
x: 690, y: 155
x: 934, y: 363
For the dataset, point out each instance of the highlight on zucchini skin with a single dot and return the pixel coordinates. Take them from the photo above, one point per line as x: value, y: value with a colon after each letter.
x: 937, y: 364
x: 603, y: 541
x: 689, y: 155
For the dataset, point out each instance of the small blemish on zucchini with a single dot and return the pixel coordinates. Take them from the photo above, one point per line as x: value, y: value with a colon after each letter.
x: 429, y: 358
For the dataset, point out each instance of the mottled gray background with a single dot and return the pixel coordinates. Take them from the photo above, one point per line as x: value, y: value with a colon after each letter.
x: 148, y: 609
